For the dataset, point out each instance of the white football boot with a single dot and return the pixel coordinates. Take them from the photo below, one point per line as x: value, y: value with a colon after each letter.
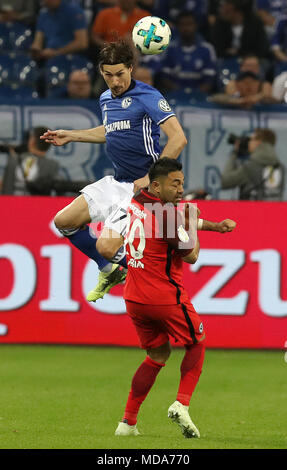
x: 125, y: 429
x: 179, y: 414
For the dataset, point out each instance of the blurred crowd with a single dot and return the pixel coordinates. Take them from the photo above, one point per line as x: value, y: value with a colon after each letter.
x: 233, y: 51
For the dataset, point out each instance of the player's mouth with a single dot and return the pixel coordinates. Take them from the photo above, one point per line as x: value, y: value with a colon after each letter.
x: 116, y: 91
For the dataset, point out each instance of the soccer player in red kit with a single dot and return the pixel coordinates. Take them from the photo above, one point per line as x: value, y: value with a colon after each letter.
x: 158, y: 240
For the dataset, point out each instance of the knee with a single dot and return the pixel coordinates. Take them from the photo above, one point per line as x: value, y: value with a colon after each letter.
x: 160, y: 354
x: 61, y: 221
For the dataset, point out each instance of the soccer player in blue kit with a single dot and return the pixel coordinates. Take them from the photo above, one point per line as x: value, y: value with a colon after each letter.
x: 133, y: 114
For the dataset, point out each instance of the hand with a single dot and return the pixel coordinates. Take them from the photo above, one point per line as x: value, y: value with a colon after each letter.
x: 141, y: 183
x: 48, y: 53
x: 35, y: 51
x: 57, y: 138
x: 226, y: 225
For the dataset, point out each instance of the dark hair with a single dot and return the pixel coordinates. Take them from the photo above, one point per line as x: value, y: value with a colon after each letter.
x: 266, y: 135
x: 40, y: 144
x: 245, y: 6
x: 163, y: 167
x: 184, y: 14
x: 119, y: 52
x: 247, y: 74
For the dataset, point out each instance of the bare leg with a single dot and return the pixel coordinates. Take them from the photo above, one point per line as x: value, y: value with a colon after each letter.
x: 109, y: 243
x: 73, y: 216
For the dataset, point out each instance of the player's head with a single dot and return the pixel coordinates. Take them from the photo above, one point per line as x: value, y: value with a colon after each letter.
x: 186, y: 25
x: 166, y: 180
x: 230, y: 9
x: 116, y: 64
x: 34, y: 141
x: 260, y: 136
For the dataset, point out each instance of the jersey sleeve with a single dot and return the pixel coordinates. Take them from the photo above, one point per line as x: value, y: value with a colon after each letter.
x: 277, y: 39
x: 156, y: 106
x: 40, y: 22
x: 78, y: 19
x: 174, y: 232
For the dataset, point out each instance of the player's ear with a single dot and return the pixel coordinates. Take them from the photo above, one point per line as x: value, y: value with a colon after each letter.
x: 155, y: 185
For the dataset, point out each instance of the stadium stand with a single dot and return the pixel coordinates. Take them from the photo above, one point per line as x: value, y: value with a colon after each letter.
x: 58, y: 70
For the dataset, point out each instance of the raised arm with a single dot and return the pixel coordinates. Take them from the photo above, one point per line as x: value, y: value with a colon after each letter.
x: 226, y: 225
x: 176, y: 140
x: 61, y: 136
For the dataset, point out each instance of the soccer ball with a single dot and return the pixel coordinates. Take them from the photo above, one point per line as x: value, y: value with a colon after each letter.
x: 151, y: 35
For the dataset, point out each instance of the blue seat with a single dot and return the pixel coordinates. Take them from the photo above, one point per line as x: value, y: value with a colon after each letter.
x: 23, y: 92
x: 58, y: 70
x: 21, y: 37
x: 15, y: 91
x: 25, y: 69
x: 18, y: 76
x: 4, y: 37
x: 56, y: 92
x: 6, y: 92
x: 6, y: 69
x: 15, y: 37
x: 228, y: 69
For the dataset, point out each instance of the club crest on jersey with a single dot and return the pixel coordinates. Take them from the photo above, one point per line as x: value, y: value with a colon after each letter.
x: 126, y: 102
x: 182, y: 234
x: 164, y: 106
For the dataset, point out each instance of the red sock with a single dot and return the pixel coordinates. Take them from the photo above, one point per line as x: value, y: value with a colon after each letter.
x: 142, y: 382
x: 190, y: 370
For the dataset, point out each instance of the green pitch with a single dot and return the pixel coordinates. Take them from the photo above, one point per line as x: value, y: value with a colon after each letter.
x: 58, y: 397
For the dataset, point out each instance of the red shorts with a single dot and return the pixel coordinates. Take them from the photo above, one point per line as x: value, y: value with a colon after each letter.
x: 155, y: 323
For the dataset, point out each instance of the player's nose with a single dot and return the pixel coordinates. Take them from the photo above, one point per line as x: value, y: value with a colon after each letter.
x: 115, y: 81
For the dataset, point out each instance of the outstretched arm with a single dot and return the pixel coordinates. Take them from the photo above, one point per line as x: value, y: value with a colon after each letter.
x: 226, y: 225
x: 61, y: 136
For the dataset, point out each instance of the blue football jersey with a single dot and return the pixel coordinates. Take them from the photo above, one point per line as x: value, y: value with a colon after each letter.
x: 132, y: 130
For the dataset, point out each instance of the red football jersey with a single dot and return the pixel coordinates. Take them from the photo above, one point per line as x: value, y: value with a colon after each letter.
x: 156, y: 242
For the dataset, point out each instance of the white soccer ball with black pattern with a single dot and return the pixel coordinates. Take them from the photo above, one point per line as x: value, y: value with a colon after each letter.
x: 151, y: 35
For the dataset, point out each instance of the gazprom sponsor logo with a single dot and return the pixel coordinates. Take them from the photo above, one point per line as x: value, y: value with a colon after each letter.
x: 118, y: 126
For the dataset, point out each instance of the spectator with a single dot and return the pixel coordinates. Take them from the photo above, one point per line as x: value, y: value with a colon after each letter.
x: 251, y: 175
x: 250, y: 63
x: 237, y: 31
x: 279, y: 88
x: 189, y: 62
x: 61, y: 29
x: 144, y: 75
x: 30, y: 172
x: 79, y: 86
x: 170, y: 9
x: 23, y: 11
x: 116, y: 22
x: 148, y: 5
x: 249, y: 91
x: 212, y: 11
x: 270, y: 11
x: 279, y: 44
